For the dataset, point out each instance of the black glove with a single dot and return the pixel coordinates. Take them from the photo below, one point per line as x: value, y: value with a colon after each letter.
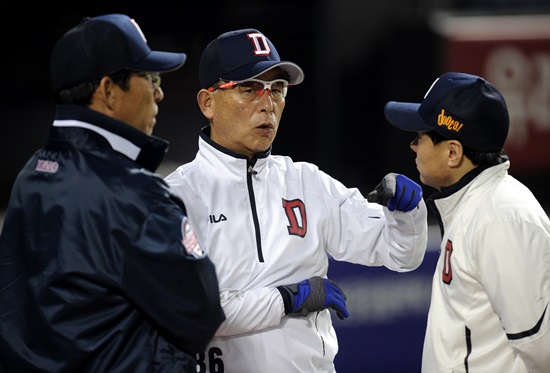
x: 313, y: 294
x: 397, y: 192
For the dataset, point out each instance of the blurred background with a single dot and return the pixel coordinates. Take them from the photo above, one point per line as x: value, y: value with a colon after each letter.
x: 357, y: 55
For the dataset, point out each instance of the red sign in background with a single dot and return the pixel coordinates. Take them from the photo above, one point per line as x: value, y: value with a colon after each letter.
x: 513, y: 53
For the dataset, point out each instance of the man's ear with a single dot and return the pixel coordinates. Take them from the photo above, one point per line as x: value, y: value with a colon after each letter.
x: 105, y: 94
x: 205, y: 100
x: 455, y: 153
x: 104, y: 97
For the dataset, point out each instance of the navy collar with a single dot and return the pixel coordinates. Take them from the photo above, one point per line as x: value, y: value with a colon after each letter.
x: 147, y: 151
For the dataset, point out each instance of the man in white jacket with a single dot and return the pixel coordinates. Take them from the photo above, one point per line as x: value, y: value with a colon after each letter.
x: 490, y: 301
x: 270, y: 224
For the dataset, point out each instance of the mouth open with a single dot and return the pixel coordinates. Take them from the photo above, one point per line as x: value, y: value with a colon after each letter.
x: 266, y: 129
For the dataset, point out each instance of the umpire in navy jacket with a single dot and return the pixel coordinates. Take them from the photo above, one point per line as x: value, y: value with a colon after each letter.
x: 99, y: 268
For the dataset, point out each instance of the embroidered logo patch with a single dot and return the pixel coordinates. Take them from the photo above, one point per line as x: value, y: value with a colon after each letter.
x: 189, y: 241
x: 296, y: 213
x: 261, y: 47
x: 44, y: 165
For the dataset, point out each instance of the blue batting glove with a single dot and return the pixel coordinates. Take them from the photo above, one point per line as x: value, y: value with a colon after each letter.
x: 397, y: 192
x: 314, y: 294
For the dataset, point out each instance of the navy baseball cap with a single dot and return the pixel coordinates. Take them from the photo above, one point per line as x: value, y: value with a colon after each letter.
x: 458, y: 106
x: 103, y: 45
x: 240, y: 55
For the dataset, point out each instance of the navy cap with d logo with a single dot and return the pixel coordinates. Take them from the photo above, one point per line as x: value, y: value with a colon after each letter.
x: 242, y: 54
x: 458, y: 106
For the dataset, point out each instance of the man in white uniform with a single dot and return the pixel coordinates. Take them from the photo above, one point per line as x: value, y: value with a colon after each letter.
x: 491, y: 290
x: 270, y: 224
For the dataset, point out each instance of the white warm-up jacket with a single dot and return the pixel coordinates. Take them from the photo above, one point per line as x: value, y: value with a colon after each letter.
x: 490, y: 301
x: 276, y: 223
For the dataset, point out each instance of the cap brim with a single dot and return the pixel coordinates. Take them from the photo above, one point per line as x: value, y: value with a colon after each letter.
x: 160, y: 62
x: 405, y: 116
x: 295, y: 73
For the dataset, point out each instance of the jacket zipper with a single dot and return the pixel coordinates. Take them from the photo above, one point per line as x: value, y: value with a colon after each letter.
x: 250, y: 173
